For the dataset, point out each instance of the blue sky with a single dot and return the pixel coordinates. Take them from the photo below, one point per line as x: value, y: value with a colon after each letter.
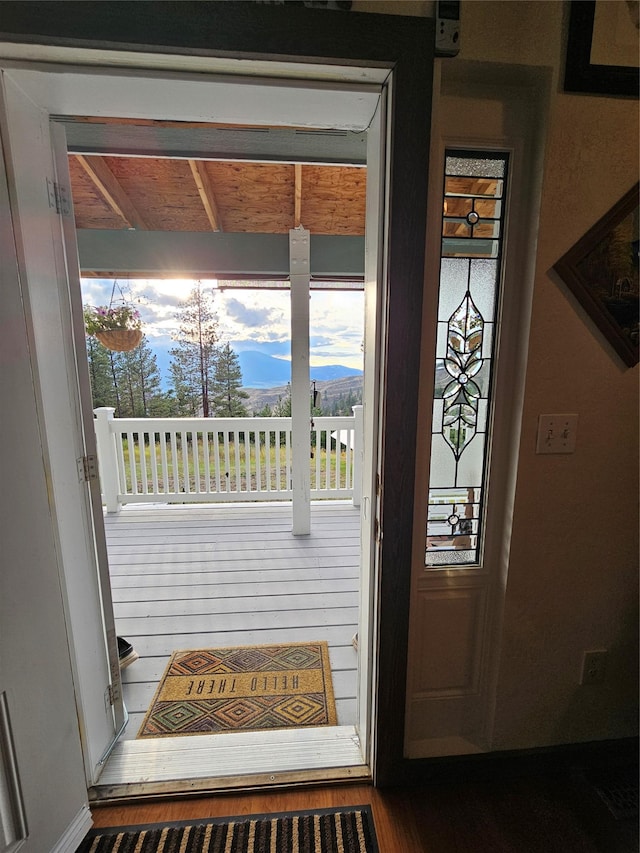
x: 248, y: 319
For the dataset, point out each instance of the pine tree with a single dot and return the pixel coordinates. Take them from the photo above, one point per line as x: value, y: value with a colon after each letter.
x: 139, y: 380
x: 228, y: 393
x: 194, y: 357
x: 103, y: 392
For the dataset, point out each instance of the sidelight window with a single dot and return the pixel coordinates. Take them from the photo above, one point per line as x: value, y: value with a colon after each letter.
x: 470, y: 277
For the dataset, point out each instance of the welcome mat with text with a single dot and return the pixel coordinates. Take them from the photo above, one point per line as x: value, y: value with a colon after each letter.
x: 243, y: 688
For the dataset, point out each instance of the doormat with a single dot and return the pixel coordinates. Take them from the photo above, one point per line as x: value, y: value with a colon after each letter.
x: 244, y: 688
x: 349, y: 829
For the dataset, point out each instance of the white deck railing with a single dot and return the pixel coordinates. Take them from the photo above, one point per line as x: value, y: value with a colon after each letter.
x: 187, y: 460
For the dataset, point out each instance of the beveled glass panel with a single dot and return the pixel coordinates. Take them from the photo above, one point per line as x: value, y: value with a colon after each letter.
x: 461, y: 247
x: 473, y: 188
x: 456, y: 228
x: 454, y: 283
x: 471, y: 462
x: 482, y: 284
x: 468, y: 302
x: 487, y: 208
x: 443, y: 464
x: 461, y: 206
x: 487, y: 228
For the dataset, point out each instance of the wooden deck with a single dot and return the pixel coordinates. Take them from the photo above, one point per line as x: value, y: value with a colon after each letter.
x: 203, y: 576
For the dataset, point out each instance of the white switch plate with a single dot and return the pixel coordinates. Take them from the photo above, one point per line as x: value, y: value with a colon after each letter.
x: 557, y: 433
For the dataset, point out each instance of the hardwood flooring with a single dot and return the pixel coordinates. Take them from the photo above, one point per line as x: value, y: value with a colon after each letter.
x: 549, y: 813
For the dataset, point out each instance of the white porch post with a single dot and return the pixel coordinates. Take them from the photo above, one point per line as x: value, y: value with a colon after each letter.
x: 107, y: 458
x: 300, y: 410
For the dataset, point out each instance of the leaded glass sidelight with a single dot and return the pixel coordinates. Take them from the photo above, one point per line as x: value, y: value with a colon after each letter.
x: 470, y: 269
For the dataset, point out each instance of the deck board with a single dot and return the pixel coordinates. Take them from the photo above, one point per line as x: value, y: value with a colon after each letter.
x: 204, y: 576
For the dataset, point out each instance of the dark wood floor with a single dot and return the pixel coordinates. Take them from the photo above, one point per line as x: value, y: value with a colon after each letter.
x: 544, y: 813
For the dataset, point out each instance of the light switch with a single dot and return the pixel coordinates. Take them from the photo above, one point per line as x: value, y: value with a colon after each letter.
x: 557, y: 433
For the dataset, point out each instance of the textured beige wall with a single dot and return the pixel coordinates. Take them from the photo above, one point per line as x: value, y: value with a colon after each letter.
x: 573, y: 571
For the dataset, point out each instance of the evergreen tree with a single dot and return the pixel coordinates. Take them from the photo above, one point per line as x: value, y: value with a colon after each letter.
x: 282, y: 409
x: 139, y: 380
x: 194, y: 357
x: 228, y: 394
x: 103, y: 392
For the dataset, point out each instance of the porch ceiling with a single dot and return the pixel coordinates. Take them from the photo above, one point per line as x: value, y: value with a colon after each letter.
x: 167, y: 198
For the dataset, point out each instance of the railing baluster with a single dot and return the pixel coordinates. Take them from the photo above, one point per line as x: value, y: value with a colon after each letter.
x: 174, y: 462
x: 131, y: 449
x: 236, y: 444
x: 165, y: 464
x: 143, y: 462
x: 227, y: 461
x: 195, y: 452
x: 216, y: 459
x: 318, y: 455
x: 205, y: 455
x: 258, y: 455
x: 267, y: 458
x: 153, y: 452
x: 122, y: 475
x: 186, y: 485
x: 287, y: 451
x: 348, y: 480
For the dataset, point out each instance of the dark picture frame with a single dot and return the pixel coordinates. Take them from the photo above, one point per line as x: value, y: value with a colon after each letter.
x: 601, y: 270
x: 583, y: 76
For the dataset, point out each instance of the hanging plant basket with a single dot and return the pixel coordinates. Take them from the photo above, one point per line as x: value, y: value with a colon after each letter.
x: 120, y: 340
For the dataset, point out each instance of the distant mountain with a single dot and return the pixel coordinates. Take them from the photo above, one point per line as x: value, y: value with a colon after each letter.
x: 258, y: 369
x: 329, y: 390
x: 265, y: 371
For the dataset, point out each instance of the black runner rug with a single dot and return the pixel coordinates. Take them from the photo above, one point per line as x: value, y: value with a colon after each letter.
x: 345, y: 830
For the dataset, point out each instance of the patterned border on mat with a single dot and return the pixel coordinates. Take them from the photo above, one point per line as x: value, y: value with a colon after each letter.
x: 353, y: 830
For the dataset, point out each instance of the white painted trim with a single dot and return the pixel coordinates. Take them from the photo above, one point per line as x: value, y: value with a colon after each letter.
x: 61, y: 90
x: 524, y: 145
x: 71, y: 838
x: 376, y: 300
x: 129, y: 93
x: 18, y: 54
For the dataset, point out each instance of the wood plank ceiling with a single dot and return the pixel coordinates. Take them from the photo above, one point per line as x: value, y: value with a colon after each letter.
x: 147, y: 193
x: 176, y: 194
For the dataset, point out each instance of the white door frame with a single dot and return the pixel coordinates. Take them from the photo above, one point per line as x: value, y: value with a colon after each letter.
x: 33, y: 96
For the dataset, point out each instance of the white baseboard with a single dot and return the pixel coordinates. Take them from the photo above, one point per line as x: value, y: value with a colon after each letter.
x: 75, y: 832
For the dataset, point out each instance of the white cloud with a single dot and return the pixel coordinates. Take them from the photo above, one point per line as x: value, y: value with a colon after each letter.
x: 258, y: 319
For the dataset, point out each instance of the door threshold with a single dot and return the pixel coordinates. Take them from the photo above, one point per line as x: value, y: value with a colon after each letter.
x: 201, y: 764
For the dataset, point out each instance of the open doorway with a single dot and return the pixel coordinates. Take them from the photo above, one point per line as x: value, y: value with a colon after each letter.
x: 30, y: 99
x: 225, y: 570
x: 206, y: 559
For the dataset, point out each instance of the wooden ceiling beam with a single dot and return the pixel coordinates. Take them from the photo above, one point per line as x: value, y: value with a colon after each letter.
x: 207, y: 195
x: 111, y: 191
x: 297, y: 203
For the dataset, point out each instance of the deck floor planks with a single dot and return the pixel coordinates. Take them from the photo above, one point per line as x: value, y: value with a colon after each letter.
x: 203, y: 576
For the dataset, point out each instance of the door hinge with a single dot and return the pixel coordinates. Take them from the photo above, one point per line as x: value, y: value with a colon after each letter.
x: 58, y: 196
x: 378, y: 485
x: 87, y: 468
